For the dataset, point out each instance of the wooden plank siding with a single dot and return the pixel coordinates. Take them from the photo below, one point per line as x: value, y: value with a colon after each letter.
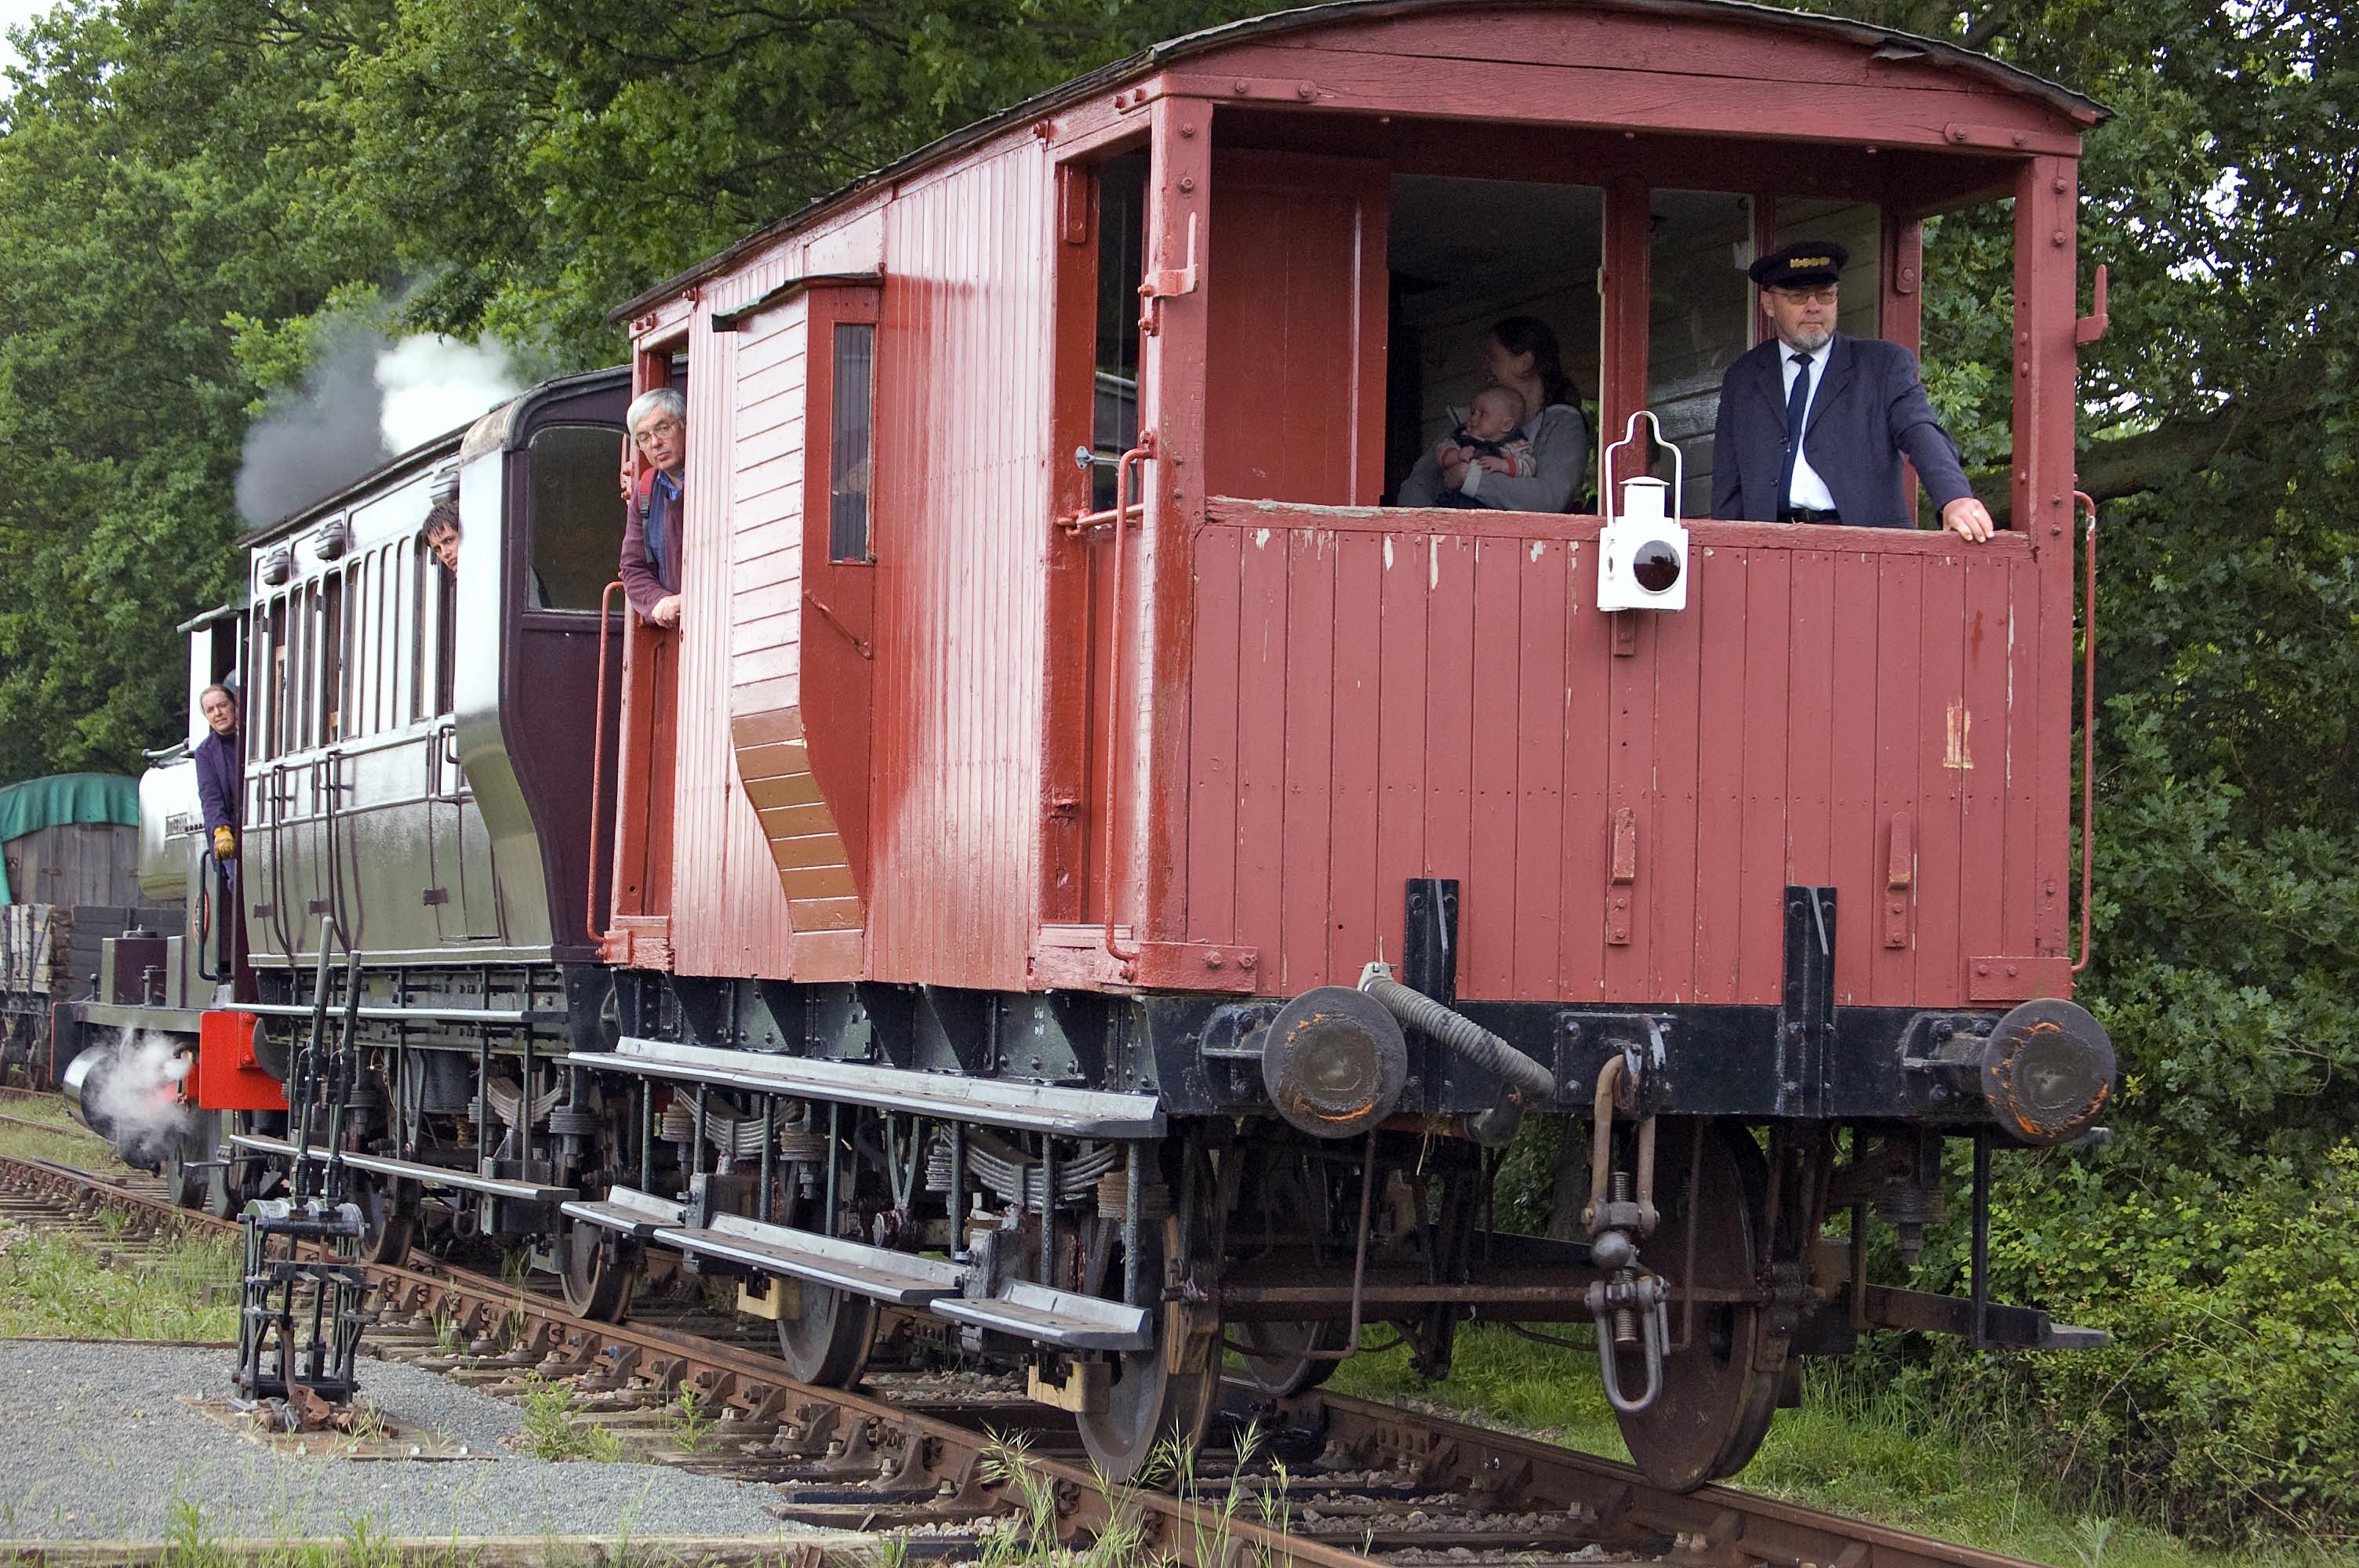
x: 727, y: 918
x: 961, y: 507
x: 1450, y: 684
x: 797, y: 834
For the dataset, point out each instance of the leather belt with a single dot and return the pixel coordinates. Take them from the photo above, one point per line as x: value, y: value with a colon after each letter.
x: 1807, y: 514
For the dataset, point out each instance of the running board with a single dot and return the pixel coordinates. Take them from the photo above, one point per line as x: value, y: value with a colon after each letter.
x: 636, y: 1214
x: 1066, y: 1319
x: 371, y: 1012
x: 411, y: 1171
x: 996, y: 1102
x: 903, y: 1278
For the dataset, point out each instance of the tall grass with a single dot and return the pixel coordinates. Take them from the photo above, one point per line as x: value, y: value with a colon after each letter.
x: 56, y: 1289
x: 1864, y: 1442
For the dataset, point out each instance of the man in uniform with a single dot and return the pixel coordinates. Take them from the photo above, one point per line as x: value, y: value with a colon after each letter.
x: 1813, y: 425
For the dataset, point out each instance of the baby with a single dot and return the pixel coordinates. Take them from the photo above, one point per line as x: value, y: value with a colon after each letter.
x: 1488, y: 429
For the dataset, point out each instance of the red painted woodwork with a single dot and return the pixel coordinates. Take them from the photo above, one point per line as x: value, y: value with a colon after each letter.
x: 1628, y: 285
x: 1295, y: 314
x: 1769, y: 734
x: 1320, y: 700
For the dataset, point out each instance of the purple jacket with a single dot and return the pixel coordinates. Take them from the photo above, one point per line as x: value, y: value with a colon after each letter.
x: 220, y: 778
x: 645, y: 577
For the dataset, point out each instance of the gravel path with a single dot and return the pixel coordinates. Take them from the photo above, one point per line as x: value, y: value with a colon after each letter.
x: 97, y: 1442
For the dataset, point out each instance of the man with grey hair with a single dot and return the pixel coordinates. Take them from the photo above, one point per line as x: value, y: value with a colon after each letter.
x: 657, y: 421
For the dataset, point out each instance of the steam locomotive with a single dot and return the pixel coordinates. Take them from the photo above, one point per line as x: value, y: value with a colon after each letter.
x: 1086, y: 873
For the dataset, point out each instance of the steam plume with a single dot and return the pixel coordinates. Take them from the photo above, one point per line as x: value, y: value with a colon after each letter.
x: 433, y: 384
x: 365, y: 399
x: 142, y: 1113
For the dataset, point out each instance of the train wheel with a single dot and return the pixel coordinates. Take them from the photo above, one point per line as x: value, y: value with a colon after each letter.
x: 229, y: 1183
x: 388, y: 1221
x: 597, y: 1276
x: 1720, y: 1382
x: 188, y: 1172
x: 1149, y: 1405
x: 826, y: 1343
x: 1279, y: 1356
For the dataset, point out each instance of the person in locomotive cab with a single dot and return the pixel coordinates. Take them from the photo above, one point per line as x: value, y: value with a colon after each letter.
x: 657, y: 421
x: 221, y: 771
x: 1520, y: 354
x: 1812, y: 424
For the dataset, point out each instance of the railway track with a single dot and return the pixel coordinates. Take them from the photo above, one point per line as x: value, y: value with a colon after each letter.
x: 1323, y: 1481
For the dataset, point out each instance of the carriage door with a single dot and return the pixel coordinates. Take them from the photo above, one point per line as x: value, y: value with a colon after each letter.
x: 1101, y: 230
x: 1294, y: 388
x: 647, y: 754
x: 461, y: 888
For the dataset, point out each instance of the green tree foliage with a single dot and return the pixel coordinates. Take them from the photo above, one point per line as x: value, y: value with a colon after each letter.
x: 149, y: 187
x: 548, y: 167
x: 2218, y: 1238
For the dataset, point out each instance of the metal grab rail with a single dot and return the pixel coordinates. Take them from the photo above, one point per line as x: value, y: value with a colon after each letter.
x: 1137, y: 454
x: 598, y: 762
x: 2089, y: 708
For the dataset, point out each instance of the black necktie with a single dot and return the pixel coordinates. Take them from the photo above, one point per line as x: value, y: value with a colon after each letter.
x: 1797, y: 401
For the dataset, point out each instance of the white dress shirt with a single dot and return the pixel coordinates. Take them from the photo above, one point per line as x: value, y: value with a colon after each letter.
x: 1808, y: 491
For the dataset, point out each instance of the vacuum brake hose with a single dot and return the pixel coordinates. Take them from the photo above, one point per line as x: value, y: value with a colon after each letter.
x: 1460, y: 1034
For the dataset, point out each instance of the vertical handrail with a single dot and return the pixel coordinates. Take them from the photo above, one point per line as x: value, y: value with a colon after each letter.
x: 2088, y: 730
x: 598, y: 764
x: 305, y: 1064
x: 1122, y: 472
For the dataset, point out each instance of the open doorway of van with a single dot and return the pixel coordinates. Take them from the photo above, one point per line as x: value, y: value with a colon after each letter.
x: 1464, y: 254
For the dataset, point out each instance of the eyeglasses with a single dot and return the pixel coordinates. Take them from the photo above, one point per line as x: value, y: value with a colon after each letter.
x: 656, y: 427
x: 1824, y: 295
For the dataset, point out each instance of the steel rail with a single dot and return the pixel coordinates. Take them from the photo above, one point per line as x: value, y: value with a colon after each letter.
x: 947, y: 1462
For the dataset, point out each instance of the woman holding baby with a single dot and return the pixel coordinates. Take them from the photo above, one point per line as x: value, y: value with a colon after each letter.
x: 1522, y: 357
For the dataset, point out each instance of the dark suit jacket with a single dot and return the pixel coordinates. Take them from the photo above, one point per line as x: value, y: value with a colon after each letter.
x: 646, y: 579
x: 220, y: 775
x: 1869, y: 412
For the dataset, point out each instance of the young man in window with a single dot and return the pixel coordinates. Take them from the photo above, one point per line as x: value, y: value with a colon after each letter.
x: 442, y: 534
x: 657, y: 421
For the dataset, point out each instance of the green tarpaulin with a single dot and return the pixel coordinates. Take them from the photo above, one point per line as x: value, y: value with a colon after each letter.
x: 37, y: 804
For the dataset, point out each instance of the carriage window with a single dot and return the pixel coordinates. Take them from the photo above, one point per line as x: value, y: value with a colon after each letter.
x: 850, y: 441
x: 573, y: 516
x: 1699, y: 321
x: 382, y: 611
x: 1122, y: 248
x: 358, y: 626
x: 303, y: 664
x: 269, y: 726
x: 430, y: 649
x: 331, y: 658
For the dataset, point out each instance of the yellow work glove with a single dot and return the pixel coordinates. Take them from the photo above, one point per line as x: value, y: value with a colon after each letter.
x: 224, y: 844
